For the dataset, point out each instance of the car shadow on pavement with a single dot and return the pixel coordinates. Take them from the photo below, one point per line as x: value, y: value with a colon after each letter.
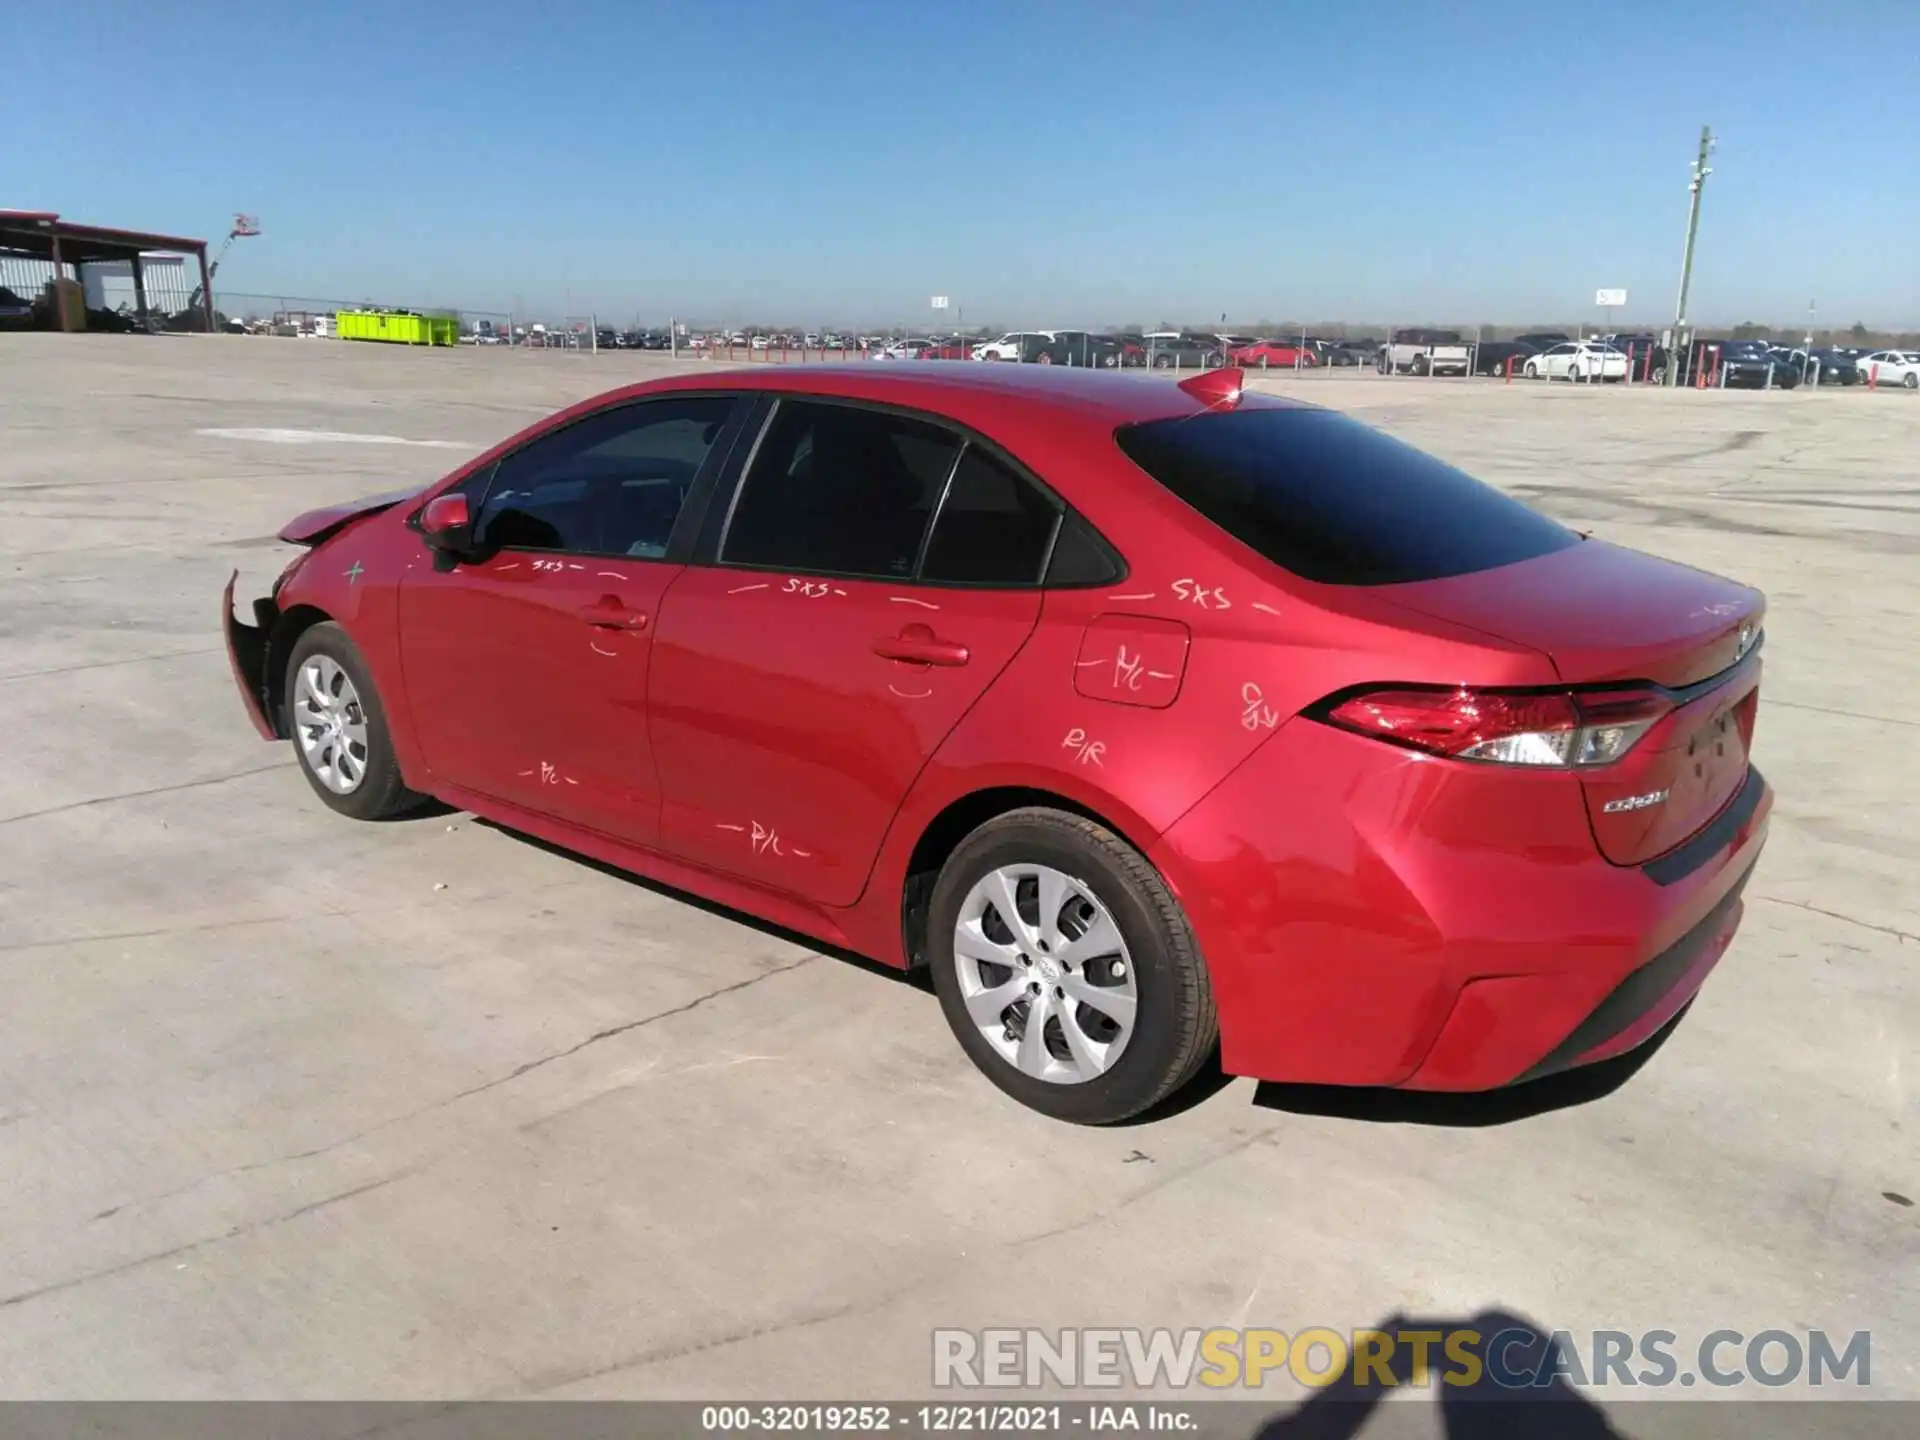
x: 1449, y: 1109
x: 1513, y: 1393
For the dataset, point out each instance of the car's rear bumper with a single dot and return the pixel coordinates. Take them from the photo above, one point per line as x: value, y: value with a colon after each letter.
x: 247, y: 657
x: 1395, y: 920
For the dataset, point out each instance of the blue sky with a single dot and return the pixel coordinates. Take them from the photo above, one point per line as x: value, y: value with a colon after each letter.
x: 1049, y: 161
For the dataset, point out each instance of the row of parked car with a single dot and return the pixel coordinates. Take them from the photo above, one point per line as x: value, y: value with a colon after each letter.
x: 1537, y: 355
x: 1159, y: 350
x: 1554, y: 355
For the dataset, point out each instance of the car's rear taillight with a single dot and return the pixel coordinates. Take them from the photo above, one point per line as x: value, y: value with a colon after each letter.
x: 1506, y: 727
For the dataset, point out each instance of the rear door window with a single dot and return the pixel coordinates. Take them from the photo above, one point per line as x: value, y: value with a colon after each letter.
x: 839, y: 490
x: 994, y: 527
x: 1334, y: 501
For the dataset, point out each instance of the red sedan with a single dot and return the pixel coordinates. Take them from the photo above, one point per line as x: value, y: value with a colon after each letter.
x: 1150, y: 717
x: 1274, y: 355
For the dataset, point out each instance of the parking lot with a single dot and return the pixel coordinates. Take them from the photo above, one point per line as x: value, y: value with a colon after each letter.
x: 294, y: 1107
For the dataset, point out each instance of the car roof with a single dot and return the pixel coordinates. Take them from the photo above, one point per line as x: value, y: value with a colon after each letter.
x: 959, y: 387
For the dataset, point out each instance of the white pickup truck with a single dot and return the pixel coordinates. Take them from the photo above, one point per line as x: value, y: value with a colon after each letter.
x: 1425, y: 352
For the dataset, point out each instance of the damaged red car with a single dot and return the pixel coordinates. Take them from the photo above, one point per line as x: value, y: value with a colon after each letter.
x: 1158, y: 720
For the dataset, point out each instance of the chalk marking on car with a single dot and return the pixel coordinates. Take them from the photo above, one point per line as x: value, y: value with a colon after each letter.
x: 1087, y: 752
x: 743, y: 589
x: 1255, y: 713
x: 598, y: 651
x: 1192, y: 590
x: 909, y: 600
x: 908, y: 694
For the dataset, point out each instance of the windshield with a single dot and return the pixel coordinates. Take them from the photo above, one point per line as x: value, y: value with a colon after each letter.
x: 1334, y: 501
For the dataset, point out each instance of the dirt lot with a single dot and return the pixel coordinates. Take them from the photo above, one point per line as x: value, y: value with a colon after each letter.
x: 295, y: 1107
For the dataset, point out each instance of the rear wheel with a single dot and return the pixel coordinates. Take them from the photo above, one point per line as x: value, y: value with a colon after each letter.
x: 1912, y: 382
x: 1066, y: 969
x: 339, y: 728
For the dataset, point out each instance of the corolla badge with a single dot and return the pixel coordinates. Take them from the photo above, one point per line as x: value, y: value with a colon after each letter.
x: 1635, y: 802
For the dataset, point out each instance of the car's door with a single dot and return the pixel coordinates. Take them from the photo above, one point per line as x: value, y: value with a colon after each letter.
x: 1558, y: 361
x: 526, y: 670
x: 802, y: 680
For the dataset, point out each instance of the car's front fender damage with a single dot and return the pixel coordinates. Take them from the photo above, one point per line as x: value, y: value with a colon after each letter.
x: 247, y: 647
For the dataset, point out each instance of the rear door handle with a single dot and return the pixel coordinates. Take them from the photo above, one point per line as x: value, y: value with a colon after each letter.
x: 920, y: 646
x: 609, y: 614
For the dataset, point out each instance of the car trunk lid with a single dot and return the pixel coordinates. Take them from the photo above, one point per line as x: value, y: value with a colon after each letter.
x: 1614, y: 620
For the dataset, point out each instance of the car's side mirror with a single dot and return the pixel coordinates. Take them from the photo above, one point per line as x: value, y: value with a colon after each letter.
x: 446, y: 524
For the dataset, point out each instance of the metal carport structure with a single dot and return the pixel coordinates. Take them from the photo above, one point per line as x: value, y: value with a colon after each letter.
x: 43, y: 235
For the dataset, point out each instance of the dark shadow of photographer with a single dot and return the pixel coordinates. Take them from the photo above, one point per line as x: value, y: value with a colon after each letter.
x: 1516, y: 1392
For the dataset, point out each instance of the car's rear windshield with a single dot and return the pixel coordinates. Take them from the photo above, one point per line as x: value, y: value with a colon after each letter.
x: 1336, y: 502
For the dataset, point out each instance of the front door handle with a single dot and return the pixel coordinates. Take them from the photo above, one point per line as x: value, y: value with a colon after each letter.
x: 610, y: 614
x: 918, y: 645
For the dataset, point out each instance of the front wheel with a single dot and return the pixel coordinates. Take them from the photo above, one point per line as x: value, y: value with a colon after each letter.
x: 339, y: 728
x: 1066, y: 969
x: 1530, y: 370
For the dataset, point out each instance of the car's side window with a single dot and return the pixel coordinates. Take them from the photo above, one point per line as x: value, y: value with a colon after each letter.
x: 610, y: 484
x: 839, y: 490
x: 994, y: 528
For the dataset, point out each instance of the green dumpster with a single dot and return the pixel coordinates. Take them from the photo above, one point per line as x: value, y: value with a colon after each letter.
x: 401, y: 328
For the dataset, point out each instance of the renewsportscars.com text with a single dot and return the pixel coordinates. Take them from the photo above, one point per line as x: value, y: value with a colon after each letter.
x: 1518, y: 1358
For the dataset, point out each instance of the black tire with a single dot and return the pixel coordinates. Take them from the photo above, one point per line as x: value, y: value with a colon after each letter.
x: 1176, y: 1026
x: 1530, y: 370
x: 1912, y: 382
x: 380, y: 793
x: 1382, y: 364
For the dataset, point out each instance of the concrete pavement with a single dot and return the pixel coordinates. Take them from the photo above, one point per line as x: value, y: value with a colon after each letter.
x: 292, y: 1107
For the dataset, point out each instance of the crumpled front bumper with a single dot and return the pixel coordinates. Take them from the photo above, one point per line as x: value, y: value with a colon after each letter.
x: 247, y: 655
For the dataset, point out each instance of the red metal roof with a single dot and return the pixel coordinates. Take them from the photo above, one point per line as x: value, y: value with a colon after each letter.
x: 34, y: 231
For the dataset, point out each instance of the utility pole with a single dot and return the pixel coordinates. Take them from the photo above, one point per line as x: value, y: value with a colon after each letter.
x: 1700, y: 173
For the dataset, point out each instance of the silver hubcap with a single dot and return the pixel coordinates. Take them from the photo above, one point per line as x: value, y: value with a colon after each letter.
x: 330, y: 725
x: 1045, y: 973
